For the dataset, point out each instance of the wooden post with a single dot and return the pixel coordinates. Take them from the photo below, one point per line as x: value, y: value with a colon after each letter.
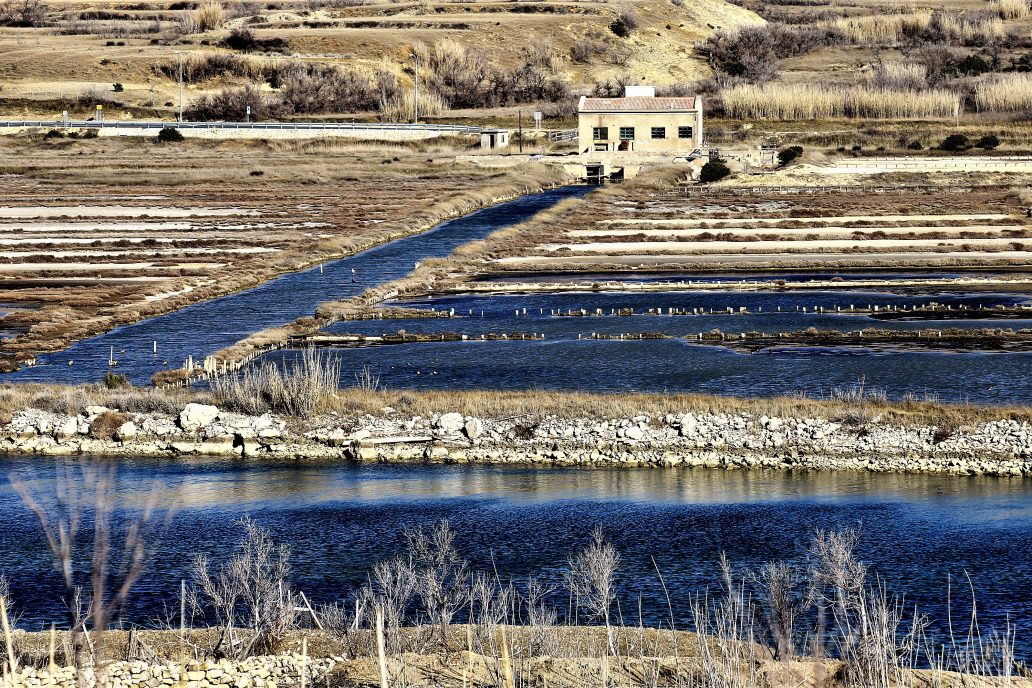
x: 381, y: 650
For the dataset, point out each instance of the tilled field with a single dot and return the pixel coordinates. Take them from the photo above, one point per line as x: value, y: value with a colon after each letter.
x: 76, y: 260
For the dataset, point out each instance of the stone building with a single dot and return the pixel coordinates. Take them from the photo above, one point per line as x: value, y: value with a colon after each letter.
x: 640, y: 123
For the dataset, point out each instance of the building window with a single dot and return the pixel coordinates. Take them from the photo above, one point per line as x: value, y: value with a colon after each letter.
x: 626, y: 133
x: 659, y: 132
x: 600, y: 133
x: 685, y: 132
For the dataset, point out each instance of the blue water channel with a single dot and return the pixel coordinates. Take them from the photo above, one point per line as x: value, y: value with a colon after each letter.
x: 204, y: 328
x: 918, y: 532
x: 568, y: 358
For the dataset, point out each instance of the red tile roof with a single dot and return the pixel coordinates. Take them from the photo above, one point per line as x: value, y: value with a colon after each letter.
x: 638, y: 104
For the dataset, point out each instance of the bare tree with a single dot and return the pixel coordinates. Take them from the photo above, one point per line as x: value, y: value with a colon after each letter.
x: 85, y: 491
x: 590, y: 577
x: 442, y: 575
x: 251, y: 591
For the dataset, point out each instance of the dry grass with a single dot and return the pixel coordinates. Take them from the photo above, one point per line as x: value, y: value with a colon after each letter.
x: 250, y: 396
x: 882, y: 28
x: 811, y: 102
x: 401, y: 108
x: 1011, y: 9
x: 1005, y: 93
x: 209, y: 15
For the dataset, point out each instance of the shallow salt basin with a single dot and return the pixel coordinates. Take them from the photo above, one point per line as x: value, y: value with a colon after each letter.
x: 118, y: 211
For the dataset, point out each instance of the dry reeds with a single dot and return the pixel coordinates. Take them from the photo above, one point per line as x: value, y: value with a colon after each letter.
x: 402, y: 107
x: 1011, y: 9
x: 1005, y: 93
x: 970, y: 29
x: 806, y: 101
x: 209, y: 15
x: 881, y: 28
x: 298, y: 390
x: 900, y: 76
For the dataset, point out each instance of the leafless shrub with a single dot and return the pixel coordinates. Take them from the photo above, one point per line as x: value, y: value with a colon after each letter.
x: 104, y: 426
x: 728, y: 658
x: 311, y: 89
x: 251, y: 591
x: 594, y: 46
x: 591, y: 578
x: 783, y: 593
x: 465, y: 78
x: 441, y: 574
x: 229, y: 104
x: 391, y: 588
x: 541, y: 617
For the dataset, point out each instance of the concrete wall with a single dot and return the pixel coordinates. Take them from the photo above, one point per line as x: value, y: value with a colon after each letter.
x: 291, y: 134
x: 642, y: 122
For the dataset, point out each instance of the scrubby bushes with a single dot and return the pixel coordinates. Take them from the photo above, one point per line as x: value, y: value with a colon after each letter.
x: 169, y: 135
x: 595, y: 46
x: 787, y: 155
x: 625, y: 24
x: 988, y: 142
x: 753, y: 54
x: 714, y: 171
x: 23, y: 13
x: 465, y: 78
x: 229, y: 104
x: 244, y: 40
x: 954, y: 143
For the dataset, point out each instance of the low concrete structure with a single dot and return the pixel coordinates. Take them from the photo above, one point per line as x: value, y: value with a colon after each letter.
x: 491, y: 139
x: 369, y: 131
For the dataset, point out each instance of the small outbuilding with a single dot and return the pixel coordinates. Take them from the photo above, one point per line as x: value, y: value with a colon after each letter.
x: 491, y: 139
x: 640, y: 122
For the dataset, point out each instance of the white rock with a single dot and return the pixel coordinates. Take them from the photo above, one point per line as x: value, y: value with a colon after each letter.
x: 67, y: 429
x: 451, y: 423
x: 197, y: 416
x: 634, y: 433
x: 474, y: 428
x: 126, y: 431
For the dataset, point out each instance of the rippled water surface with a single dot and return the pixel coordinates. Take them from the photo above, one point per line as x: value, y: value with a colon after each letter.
x: 918, y: 531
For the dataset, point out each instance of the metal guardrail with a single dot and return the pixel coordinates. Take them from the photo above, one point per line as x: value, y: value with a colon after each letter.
x: 257, y: 126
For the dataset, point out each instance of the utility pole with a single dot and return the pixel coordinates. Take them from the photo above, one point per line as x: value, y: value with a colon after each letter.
x: 180, y: 54
x: 520, y: 134
x: 415, y: 78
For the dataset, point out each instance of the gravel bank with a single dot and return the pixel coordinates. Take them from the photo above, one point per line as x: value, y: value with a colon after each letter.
x: 726, y: 440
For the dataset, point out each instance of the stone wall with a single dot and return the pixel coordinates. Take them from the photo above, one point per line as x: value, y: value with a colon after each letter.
x: 1002, y: 447
x: 255, y: 672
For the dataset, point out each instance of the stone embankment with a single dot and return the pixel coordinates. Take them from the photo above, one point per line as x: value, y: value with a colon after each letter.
x: 1002, y: 447
x: 255, y: 672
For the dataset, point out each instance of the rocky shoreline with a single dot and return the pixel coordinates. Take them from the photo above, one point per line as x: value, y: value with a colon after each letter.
x: 710, y: 440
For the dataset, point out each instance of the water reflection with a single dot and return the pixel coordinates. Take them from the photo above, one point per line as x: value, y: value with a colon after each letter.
x: 340, y: 519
